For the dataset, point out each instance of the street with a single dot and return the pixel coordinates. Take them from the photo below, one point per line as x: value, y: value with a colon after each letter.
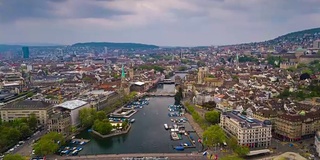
x: 26, y: 148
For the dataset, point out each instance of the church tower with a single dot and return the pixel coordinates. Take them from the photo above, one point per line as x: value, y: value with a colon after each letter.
x: 123, y: 77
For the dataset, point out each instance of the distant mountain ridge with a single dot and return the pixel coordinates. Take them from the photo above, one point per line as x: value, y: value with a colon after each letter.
x: 116, y: 45
x: 303, y: 38
x: 300, y: 33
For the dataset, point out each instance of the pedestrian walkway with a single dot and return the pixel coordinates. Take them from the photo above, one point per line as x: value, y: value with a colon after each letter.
x: 194, y: 125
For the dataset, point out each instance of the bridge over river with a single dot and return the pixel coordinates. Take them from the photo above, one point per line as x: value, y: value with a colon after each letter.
x: 161, y: 94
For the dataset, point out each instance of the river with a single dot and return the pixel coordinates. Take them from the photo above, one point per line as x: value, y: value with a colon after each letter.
x: 147, y: 134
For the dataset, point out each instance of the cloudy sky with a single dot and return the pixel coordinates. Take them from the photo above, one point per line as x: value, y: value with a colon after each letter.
x: 160, y: 22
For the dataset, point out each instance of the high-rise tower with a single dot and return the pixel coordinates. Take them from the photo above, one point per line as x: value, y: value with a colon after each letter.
x: 25, y: 51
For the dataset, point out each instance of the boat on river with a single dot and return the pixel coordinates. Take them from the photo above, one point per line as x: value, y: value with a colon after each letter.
x: 132, y: 120
x: 166, y: 126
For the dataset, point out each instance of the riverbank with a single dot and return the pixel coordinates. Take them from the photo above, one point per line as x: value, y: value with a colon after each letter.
x: 194, y: 125
x: 171, y: 156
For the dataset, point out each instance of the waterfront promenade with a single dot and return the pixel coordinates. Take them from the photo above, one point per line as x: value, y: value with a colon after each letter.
x: 137, y: 156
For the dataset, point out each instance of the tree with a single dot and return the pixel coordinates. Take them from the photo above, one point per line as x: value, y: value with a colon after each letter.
x: 25, y: 129
x: 242, y: 151
x: 125, y: 124
x: 101, y: 115
x: 209, y: 105
x: 182, y: 68
x: 239, y: 150
x: 103, y: 127
x: 178, y: 97
x: 33, y: 121
x: 49, y: 144
x: 30, y: 94
x: 13, y: 134
x: 73, y: 129
x: 212, y: 117
x: 213, y: 135
x: 87, y: 116
x: 201, y: 64
x: 13, y: 157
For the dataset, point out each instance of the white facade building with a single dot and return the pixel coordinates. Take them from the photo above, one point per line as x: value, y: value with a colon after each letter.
x: 249, y: 132
x: 73, y: 107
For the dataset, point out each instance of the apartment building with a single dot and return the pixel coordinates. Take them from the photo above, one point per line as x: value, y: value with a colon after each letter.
x: 72, y: 107
x: 24, y: 109
x: 61, y: 123
x: 293, y: 127
x: 249, y: 132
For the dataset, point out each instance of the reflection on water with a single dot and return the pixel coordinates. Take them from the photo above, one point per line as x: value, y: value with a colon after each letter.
x: 147, y: 134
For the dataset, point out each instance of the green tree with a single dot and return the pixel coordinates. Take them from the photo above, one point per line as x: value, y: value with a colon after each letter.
x: 242, y: 151
x: 73, y: 129
x: 125, y: 124
x: 178, y: 97
x: 101, y: 115
x: 49, y: 144
x: 13, y: 157
x: 201, y: 64
x: 301, y: 65
x: 87, y: 116
x: 182, y: 68
x: 25, y: 129
x: 103, y: 127
x: 209, y: 105
x: 13, y: 134
x: 33, y: 121
x: 30, y: 94
x: 213, y: 135
x: 239, y: 150
x: 212, y: 117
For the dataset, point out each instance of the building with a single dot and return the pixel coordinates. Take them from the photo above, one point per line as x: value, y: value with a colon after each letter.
x: 294, y: 127
x: 72, y: 107
x: 61, y: 123
x: 25, y: 51
x: 316, y: 44
x: 249, y: 132
x: 202, y: 73
x: 23, y: 109
x: 13, y: 82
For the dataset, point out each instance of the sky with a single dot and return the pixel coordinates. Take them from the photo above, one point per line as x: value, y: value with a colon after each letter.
x: 159, y: 22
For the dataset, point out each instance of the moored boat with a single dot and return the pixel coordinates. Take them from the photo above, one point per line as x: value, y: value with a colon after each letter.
x: 166, y: 126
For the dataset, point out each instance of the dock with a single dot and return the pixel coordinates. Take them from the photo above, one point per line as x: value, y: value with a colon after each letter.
x: 81, y: 140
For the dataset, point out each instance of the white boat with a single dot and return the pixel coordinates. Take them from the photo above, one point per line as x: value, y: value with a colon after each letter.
x: 132, y: 120
x: 166, y: 126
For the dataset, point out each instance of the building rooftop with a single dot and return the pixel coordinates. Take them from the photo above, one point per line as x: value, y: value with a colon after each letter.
x: 245, y: 122
x: 72, y: 104
x: 28, y: 104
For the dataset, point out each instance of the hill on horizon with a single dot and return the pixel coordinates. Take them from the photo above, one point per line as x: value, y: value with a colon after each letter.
x: 116, y: 45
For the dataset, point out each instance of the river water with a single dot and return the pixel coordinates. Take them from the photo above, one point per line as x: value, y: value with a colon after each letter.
x: 147, y: 134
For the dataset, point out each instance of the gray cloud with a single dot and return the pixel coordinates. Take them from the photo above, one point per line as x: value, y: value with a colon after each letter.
x: 14, y: 10
x: 163, y: 22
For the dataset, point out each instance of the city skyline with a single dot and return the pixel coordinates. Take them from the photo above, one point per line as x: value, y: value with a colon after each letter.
x: 163, y: 23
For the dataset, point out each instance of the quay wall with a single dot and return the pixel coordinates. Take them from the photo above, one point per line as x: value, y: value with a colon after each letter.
x: 112, y: 134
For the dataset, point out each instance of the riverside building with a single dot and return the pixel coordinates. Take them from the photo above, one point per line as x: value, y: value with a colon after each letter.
x: 249, y: 132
